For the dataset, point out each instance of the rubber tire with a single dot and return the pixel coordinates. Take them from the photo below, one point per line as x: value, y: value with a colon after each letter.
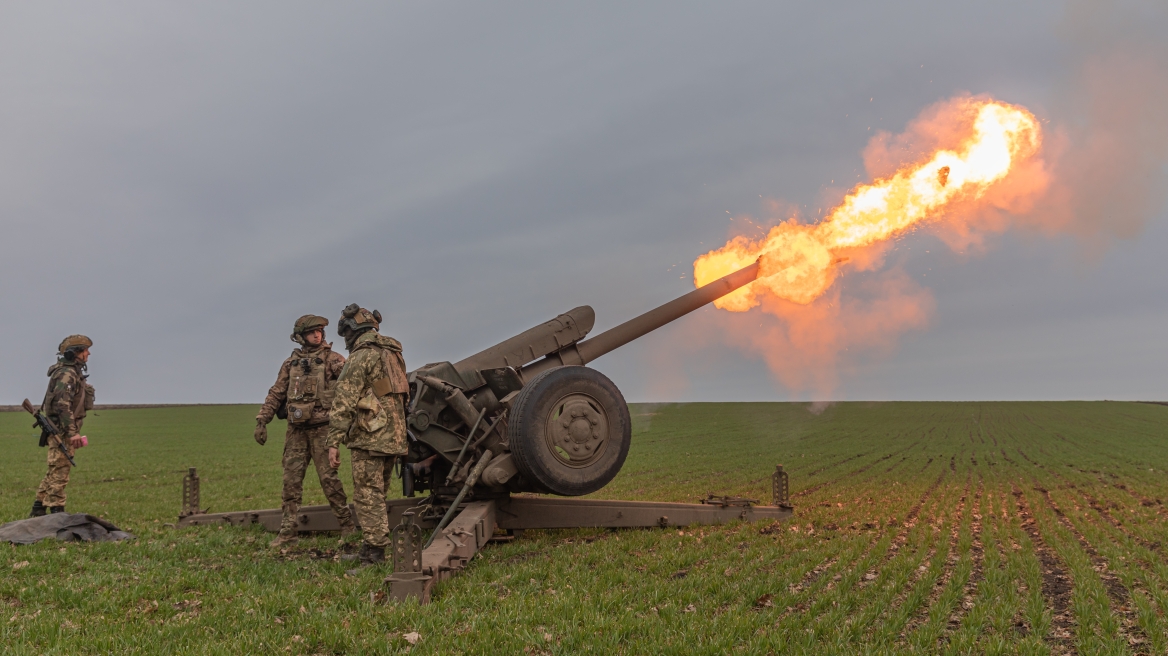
x: 528, y: 427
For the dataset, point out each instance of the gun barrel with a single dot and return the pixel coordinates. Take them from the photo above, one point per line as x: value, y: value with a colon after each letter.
x: 639, y: 326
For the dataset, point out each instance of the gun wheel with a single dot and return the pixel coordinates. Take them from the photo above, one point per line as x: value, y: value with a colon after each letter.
x: 570, y: 430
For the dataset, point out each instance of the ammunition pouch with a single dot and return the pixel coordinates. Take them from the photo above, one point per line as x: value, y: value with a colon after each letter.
x: 90, y: 396
x: 300, y: 413
x: 282, y: 411
x: 371, y: 416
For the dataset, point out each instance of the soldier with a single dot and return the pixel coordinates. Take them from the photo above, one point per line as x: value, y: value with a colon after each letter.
x: 65, y: 404
x: 304, y: 387
x: 368, y: 416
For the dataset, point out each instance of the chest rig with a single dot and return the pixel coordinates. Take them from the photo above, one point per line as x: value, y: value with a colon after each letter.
x: 82, y: 392
x: 310, y: 392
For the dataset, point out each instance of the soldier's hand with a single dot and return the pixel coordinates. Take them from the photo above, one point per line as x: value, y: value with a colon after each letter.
x: 76, y: 442
x: 261, y: 433
x: 334, y: 457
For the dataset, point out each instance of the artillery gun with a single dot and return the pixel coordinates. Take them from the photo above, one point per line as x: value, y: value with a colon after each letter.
x: 523, y: 416
x: 554, y: 425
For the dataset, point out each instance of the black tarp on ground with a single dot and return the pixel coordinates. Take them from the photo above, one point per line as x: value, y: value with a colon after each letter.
x: 67, y: 527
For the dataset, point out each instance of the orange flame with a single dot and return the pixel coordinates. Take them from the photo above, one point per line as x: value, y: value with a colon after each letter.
x: 800, y: 262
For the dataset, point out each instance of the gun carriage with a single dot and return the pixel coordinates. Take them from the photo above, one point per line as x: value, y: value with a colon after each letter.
x: 523, y: 416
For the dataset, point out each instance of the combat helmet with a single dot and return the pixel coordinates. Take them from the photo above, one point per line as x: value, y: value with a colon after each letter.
x: 305, y: 325
x: 356, y: 320
x: 72, y: 345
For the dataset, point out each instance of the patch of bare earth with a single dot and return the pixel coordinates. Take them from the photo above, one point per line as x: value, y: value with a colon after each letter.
x: 1056, y: 583
x: 1118, y: 593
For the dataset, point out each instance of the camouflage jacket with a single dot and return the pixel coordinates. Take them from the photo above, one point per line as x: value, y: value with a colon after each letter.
x: 369, y: 402
x: 278, y: 393
x: 68, y: 397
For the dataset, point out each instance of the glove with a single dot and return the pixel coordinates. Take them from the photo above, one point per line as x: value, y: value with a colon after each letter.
x: 261, y: 433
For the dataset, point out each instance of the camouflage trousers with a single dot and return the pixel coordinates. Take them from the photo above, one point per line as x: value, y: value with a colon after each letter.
x: 52, y: 489
x: 371, y: 475
x: 300, y: 446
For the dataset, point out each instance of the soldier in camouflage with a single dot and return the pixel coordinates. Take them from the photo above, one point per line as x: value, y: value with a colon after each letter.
x: 66, y: 402
x: 304, y: 388
x: 368, y: 416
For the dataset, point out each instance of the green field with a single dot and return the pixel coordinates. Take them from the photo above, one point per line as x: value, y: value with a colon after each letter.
x: 919, y: 528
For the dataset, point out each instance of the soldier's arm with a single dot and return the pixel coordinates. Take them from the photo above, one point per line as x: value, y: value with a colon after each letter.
x: 61, y: 403
x: 350, y: 387
x: 276, y: 395
x: 336, y: 363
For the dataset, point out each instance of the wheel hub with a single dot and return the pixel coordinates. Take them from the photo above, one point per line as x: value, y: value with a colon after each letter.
x: 577, y: 430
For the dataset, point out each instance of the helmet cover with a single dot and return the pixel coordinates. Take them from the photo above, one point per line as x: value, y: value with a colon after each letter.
x: 75, y: 343
x: 305, y: 325
x: 355, y: 318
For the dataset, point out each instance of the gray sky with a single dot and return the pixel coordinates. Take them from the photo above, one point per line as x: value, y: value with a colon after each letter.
x: 180, y: 181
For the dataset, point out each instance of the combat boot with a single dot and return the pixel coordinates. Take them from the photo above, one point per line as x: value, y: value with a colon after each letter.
x: 371, y: 555
x: 348, y: 529
x: 56, y: 509
x: 285, y: 539
x: 38, y: 509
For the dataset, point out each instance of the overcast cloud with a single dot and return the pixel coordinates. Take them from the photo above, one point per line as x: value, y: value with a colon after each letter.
x: 181, y: 181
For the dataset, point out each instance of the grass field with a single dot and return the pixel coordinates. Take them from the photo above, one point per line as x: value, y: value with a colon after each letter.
x: 919, y: 528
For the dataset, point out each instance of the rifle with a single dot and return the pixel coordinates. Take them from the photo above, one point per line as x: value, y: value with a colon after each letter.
x: 48, y: 428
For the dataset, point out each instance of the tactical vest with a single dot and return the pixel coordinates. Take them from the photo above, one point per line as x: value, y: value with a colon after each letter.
x: 82, y: 394
x: 309, y: 389
x: 393, y: 373
x: 380, y: 412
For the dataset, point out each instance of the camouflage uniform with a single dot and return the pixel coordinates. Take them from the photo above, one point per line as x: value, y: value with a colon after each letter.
x: 368, y: 416
x: 66, y: 401
x: 305, y: 439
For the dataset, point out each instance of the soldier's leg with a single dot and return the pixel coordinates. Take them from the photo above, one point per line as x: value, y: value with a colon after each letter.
x: 330, y: 483
x: 369, y: 497
x: 295, y: 464
x: 38, y: 505
x: 51, y: 492
x: 43, y: 489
